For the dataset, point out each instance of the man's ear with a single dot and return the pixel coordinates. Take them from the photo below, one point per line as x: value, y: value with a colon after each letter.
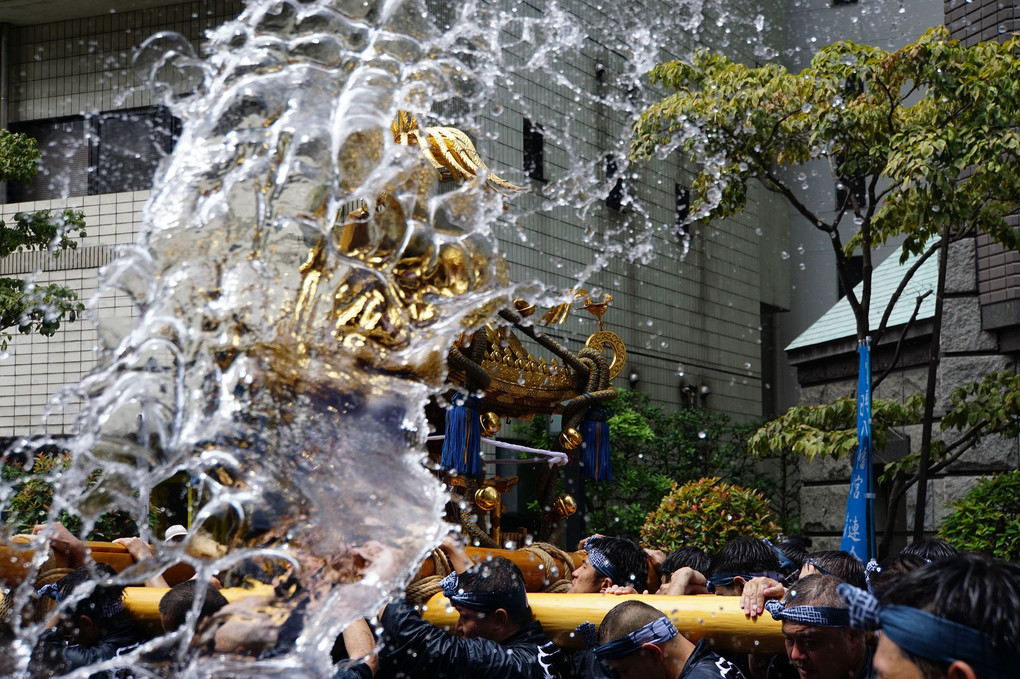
x: 499, y: 616
x: 605, y: 584
x: 738, y: 580
x: 653, y: 651
x: 960, y: 670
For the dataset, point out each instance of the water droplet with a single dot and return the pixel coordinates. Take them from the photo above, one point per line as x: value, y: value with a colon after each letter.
x: 784, y: 254
x: 702, y: 434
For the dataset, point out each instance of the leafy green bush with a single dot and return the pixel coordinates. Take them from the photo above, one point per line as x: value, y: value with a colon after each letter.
x: 29, y: 503
x: 706, y: 514
x: 652, y: 449
x: 987, y: 519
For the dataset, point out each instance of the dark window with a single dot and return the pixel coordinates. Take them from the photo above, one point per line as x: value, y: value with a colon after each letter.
x: 683, y: 210
x: 534, y: 151
x: 855, y: 269
x: 615, y: 198
x: 128, y: 147
x: 106, y: 153
x: 63, y: 160
x: 768, y: 367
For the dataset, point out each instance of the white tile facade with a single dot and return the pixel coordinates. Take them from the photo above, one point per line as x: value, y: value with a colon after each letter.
x: 701, y: 312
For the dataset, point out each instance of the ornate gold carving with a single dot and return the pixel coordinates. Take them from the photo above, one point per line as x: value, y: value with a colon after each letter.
x: 605, y: 338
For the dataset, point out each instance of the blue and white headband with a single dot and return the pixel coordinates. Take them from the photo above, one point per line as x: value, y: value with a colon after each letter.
x: 487, y: 602
x: 819, y: 616
x: 52, y: 591
x: 722, y: 579
x: 603, y: 566
x: 658, y: 631
x: 870, y: 569
x: 930, y: 636
x: 785, y: 562
x: 109, y: 609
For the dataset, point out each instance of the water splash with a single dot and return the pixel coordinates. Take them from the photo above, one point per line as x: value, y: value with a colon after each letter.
x: 300, y: 276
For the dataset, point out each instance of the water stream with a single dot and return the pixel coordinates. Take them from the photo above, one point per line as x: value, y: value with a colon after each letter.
x: 300, y: 276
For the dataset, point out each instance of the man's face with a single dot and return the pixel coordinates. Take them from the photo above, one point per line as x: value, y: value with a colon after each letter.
x: 474, y: 624
x: 823, y: 652
x: 585, y: 580
x: 890, y: 663
x: 79, y: 630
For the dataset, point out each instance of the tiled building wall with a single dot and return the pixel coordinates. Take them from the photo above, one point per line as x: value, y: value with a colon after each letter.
x: 35, y: 366
x: 971, y: 22
x: 698, y: 314
x: 85, y: 65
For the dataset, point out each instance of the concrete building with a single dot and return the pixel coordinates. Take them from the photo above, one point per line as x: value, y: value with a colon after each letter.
x: 691, y: 322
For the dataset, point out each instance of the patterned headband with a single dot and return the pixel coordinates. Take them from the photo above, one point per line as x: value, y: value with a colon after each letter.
x: 603, y: 566
x: 930, y: 636
x: 657, y: 631
x: 819, y: 616
x: 487, y: 602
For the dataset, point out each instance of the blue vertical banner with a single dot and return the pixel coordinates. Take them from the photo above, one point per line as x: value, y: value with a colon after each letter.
x: 859, y: 526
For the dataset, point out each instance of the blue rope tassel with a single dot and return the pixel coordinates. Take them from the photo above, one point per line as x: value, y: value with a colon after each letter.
x: 462, y: 447
x: 596, y: 462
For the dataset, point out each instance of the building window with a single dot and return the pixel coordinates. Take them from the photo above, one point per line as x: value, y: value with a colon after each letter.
x: 616, y: 195
x: 109, y: 152
x: 63, y: 160
x: 534, y: 151
x: 683, y: 210
x: 128, y: 147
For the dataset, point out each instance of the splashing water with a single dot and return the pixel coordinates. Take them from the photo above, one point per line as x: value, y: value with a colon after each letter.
x: 299, y: 279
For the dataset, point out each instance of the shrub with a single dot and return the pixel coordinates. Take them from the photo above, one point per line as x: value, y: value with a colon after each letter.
x: 706, y: 514
x: 987, y: 519
x: 32, y: 494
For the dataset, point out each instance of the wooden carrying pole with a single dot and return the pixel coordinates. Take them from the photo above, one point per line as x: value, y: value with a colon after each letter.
x: 719, y: 618
x: 16, y: 558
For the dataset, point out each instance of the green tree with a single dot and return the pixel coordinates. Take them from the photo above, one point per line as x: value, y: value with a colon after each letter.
x: 929, y: 133
x: 985, y: 408
x: 25, y: 305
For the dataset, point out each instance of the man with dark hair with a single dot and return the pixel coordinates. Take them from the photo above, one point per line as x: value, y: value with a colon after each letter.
x: 91, y: 624
x: 689, y: 555
x: 177, y: 602
x: 496, y: 634
x: 608, y: 562
x: 838, y: 563
x: 740, y: 560
x: 820, y: 643
x: 930, y: 550
x: 884, y: 574
x: 638, y: 642
x: 951, y: 619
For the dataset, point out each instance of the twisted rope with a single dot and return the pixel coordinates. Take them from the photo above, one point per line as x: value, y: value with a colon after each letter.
x: 420, y: 591
x: 548, y: 554
x: 37, y: 608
